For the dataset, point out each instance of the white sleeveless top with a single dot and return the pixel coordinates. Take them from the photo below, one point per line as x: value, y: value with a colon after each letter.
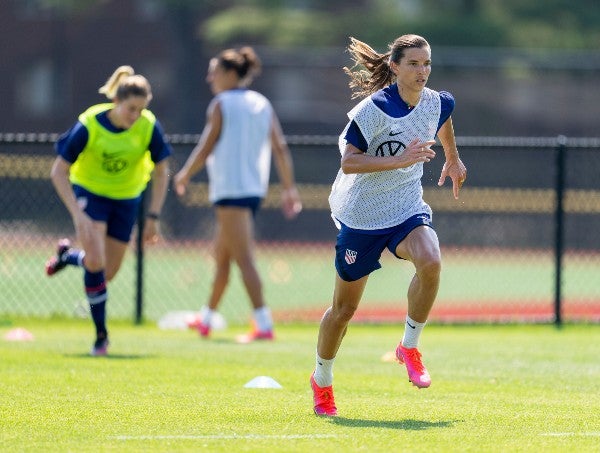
x: 371, y: 201
x: 240, y: 163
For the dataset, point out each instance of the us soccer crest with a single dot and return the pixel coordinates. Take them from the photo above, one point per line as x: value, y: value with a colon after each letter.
x: 350, y: 256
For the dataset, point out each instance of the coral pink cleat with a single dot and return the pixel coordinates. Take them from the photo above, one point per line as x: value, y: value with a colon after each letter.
x: 417, y: 373
x: 203, y: 330
x: 197, y: 324
x: 100, y: 348
x: 255, y: 335
x: 323, y: 399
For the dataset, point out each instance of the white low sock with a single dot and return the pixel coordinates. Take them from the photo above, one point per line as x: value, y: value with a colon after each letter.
x: 80, y: 258
x: 263, y: 319
x: 324, y: 372
x: 206, y: 315
x: 412, y: 332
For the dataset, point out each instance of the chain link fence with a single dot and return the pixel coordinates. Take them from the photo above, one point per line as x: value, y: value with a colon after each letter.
x: 520, y: 245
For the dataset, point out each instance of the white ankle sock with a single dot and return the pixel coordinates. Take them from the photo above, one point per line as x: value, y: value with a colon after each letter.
x: 412, y: 332
x: 206, y: 315
x: 324, y: 372
x: 80, y: 258
x: 263, y: 319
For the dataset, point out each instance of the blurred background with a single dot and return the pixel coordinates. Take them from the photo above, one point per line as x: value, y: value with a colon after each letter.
x: 516, y: 67
x: 523, y: 236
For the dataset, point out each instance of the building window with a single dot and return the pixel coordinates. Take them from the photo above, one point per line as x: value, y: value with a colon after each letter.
x: 34, y: 89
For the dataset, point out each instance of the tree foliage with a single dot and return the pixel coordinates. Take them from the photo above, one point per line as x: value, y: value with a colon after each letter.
x: 561, y: 24
x: 511, y: 23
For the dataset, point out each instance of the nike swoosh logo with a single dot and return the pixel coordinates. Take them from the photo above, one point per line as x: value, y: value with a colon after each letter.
x: 395, y: 133
x: 411, y: 326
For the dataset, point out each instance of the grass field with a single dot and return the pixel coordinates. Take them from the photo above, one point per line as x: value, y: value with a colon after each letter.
x: 495, y: 389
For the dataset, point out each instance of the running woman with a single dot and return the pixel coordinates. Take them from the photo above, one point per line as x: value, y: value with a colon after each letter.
x: 103, y: 165
x: 242, y: 131
x: 377, y: 198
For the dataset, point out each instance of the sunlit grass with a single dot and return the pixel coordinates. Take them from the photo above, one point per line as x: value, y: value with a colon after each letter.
x: 502, y: 388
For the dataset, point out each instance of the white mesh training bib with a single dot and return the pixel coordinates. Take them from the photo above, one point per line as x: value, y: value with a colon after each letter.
x: 370, y: 201
x: 240, y: 163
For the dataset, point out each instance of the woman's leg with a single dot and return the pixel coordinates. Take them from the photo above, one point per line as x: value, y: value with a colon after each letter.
x: 421, y: 247
x: 334, y: 323
x: 94, y: 263
x: 114, y: 253
x: 222, y: 268
x: 237, y: 229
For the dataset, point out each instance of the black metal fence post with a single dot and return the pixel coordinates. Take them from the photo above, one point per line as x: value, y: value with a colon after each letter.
x: 561, y: 151
x: 139, y: 274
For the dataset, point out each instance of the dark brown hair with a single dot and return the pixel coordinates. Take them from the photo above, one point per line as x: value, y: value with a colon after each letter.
x: 371, y: 70
x: 243, y: 61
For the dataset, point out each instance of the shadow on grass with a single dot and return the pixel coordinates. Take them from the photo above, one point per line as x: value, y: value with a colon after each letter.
x: 111, y: 356
x: 223, y: 341
x: 407, y: 424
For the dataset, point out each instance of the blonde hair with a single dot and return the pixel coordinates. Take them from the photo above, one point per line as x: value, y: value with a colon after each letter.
x: 371, y: 70
x: 123, y: 83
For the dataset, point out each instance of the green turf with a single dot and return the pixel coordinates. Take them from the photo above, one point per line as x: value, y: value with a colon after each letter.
x: 495, y: 389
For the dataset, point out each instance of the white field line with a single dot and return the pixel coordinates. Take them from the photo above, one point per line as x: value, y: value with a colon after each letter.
x: 226, y: 436
x: 573, y: 434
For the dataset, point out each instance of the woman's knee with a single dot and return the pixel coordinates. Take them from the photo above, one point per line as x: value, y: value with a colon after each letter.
x: 93, y: 263
x: 430, y: 267
x: 222, y: 274
x: 247, y: 265
x: 110, y: 273
x: 342, y: 314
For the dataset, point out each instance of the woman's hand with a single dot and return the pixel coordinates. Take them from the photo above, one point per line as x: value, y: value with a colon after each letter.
x: 290, y: 203
x: 180, y: 182
x: 151, y: 231
x: 418, y: 151
x: 457, y: 171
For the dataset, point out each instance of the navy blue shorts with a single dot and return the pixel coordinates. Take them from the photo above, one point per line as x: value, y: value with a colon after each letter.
x: 119, y: 215
x: 252, y: 203
x: 357, y: 252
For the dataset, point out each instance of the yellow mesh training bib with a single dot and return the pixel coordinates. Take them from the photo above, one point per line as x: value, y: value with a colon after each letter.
x: 114, y: 164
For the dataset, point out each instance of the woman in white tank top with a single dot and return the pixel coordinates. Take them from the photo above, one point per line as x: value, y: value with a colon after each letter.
x: 241, y: 133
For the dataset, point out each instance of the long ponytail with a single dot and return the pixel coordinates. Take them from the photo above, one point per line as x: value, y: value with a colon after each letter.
x: 124, y: 83
x: 371, y: 70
